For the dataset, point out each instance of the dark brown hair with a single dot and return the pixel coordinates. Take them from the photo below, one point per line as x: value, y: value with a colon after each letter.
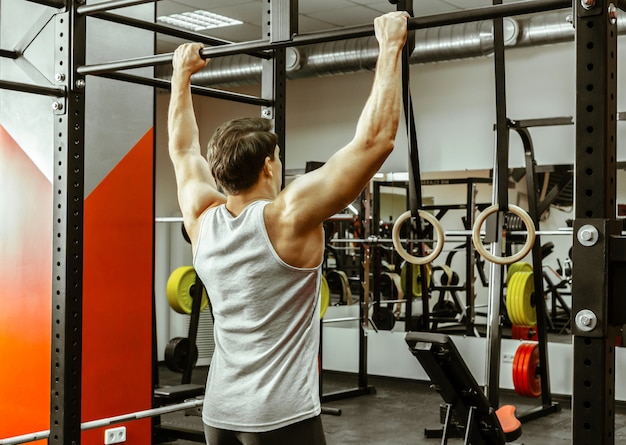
x: 237, y: 152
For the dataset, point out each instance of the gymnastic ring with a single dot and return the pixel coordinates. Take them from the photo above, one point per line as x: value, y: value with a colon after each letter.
x: 395, y: 235
x: 530, y: 237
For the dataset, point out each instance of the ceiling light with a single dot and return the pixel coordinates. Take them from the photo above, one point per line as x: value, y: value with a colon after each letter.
x: 198, y: 20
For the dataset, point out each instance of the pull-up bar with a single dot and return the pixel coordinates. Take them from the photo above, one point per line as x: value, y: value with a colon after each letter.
x: 109, y: 5
x: 9, y: 54
x: 430, y: 21
x: 34, y: 89
x: 51, y: 3
x: 201, y: 91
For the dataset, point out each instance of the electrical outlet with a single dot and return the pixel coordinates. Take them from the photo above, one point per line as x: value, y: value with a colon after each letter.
x: 115, y: 435
x: 508, y: 358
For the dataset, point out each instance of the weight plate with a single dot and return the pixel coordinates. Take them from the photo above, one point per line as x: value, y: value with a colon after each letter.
x: 324, y: 297
x: 510, y: 309
x: 417, y: 282
x: 527, y: 311
x: 511, y: 300
x: 383, y: 318
x: 526, y: 381
x: 177, y: 354
x: 179, y: 290
x: 516, y: 366
x: 519, y: 302
x: 347, y: 292
x: 446, y: 308
x: 446, y: 276
x: 338, y: 283
x: 524, y: 333
x: 533, y: 381
x: 523, y: 370
x: 390, y: 286
x: 520, y: 266
x: 518, y: 369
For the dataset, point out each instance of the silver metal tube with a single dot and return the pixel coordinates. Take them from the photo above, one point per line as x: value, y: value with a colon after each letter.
x: 34, y: 89
x: 106, y: 422
x: 168, y: 219
x: 9, y: 54
x: 26, y: 438
x: 109, y: 5
x: 339, y: 320
x: 492, y: 358
x: 567, y: 231
x: 140, y: 414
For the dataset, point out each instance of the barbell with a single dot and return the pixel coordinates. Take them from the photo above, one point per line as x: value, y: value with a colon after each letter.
x: 40, y: 435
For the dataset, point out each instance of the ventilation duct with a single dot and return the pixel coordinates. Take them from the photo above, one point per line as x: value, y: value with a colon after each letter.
x: 464, y: 40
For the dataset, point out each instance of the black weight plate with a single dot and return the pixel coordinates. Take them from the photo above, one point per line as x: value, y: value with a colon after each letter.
x: 177, y: 354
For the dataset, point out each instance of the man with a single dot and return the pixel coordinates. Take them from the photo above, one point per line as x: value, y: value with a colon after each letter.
x: 259, y: 250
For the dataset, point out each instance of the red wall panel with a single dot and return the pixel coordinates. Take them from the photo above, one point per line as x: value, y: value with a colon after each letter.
x: 117, y: 293
x: 117, y: 303
x: 25, y: 291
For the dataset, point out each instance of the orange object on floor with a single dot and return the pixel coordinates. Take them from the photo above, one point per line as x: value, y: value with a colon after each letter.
x: 511, y: 426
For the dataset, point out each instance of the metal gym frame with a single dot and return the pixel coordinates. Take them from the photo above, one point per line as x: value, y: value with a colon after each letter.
x: 599, y: 250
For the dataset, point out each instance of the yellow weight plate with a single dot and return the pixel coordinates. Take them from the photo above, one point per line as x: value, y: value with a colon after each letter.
x: 511, y: 300
x: 324, y: 297
x: 527, y: 311
x: 179, y: 289
x: 417, y: 282
x: 517, y: 297
x: 520, y: 266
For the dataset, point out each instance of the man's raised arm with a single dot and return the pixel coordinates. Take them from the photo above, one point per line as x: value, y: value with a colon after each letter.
x: 329, y: 189
x: 197, y: 190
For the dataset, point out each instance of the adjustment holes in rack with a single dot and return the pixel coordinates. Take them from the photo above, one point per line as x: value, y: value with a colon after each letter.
x: 587, y: 362
x: 587, y: 384
x: 590, y: 67
x: 589, y: 150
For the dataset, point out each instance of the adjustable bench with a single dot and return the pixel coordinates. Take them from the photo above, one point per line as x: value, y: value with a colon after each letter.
x: 451, y: 377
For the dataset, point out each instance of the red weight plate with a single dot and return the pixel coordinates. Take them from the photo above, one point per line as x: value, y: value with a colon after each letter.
x: 533, y: 380
x: 518, y: 377
x: 514, y: 371
x: 523, y: 369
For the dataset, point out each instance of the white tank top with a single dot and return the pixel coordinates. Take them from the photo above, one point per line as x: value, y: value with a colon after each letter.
x: 264, y: 371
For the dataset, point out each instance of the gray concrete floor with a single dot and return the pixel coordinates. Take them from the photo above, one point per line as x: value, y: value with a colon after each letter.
x: 399, y: 411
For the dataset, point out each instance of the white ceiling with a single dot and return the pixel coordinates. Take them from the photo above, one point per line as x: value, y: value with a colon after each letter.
x: 314, y: 15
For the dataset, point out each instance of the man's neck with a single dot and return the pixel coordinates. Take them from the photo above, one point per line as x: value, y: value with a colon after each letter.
x: 237, y: 203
